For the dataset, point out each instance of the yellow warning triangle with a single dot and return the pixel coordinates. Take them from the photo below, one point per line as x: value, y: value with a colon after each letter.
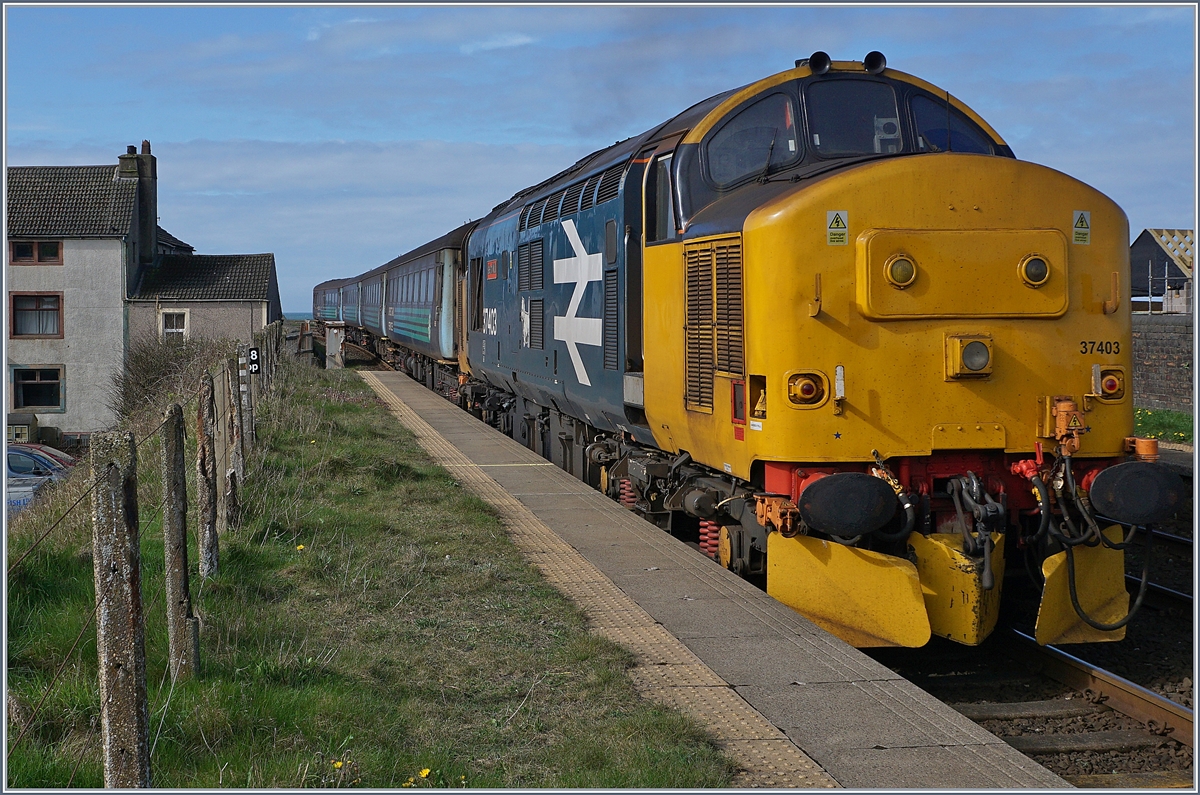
x: 837, y: 222
x: 1074, y: 423
x: 1082, y: 222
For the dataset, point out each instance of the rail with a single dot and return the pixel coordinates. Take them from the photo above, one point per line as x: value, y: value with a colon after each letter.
x: 1157, y: 712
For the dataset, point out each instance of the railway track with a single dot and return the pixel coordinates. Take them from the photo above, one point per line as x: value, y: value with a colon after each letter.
x: 1092, y: 727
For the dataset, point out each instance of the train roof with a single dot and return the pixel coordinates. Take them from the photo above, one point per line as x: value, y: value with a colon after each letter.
x: 452, y: 239
x: 620, y: 151
x: 328, y: 283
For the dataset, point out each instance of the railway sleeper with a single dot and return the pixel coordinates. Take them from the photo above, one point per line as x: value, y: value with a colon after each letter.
x: 1113, y: 740
x: 1052, y: 708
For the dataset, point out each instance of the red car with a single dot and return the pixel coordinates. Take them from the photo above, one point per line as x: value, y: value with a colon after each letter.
x: 46, y: 450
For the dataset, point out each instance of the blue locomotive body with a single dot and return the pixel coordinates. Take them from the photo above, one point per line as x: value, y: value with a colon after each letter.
x: 547, y: 297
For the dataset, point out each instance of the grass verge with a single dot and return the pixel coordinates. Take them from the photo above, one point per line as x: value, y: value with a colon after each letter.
x: 1164, y: 425
x: 371, y: 625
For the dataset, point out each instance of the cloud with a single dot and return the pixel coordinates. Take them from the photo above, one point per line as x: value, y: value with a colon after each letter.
x: 500, y: 42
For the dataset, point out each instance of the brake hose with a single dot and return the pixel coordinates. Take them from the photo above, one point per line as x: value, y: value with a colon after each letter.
x: 910, y: 519
x: 1137, y: 603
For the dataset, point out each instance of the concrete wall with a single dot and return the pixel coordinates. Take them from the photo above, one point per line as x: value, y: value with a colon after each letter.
x: 206, y: 319
x: 91, y: 280
x: 1162, y: 362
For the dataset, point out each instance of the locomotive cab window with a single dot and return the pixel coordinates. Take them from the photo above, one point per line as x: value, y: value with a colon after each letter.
x: 933, y: 135
x: 853, y: 117
x: 757, y: 140
x: 660, y: 203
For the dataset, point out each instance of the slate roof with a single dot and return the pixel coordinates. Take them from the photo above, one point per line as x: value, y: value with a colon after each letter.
x: 165, y: 238
x: 69, y: 201
x: 209, y: 277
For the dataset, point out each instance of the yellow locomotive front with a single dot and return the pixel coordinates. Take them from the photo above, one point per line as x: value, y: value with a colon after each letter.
x: 913, y: 346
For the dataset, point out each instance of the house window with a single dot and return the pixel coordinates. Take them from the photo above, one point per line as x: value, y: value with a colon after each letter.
x: 36, y: 316
x: 35, y: 252
x: 173, y: 325
x: 39, y: 388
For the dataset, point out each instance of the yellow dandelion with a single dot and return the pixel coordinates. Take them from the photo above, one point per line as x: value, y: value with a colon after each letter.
x: 300, y: 547
x: 337, y: 763
x: 424, y: 772
x: 312, y: 441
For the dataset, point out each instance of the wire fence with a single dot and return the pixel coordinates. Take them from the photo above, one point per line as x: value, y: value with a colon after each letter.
x: 224, y: 415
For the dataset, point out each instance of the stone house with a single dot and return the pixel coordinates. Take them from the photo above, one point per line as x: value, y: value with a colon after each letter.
x: 84, y: 253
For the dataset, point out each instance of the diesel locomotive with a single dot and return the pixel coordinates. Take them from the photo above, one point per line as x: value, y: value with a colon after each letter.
x: 827, y: 328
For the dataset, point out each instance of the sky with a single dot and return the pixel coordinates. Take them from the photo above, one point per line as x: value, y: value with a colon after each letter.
x: 338, y: 137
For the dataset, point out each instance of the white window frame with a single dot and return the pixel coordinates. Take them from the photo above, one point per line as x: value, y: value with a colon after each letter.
x: 187, y: 321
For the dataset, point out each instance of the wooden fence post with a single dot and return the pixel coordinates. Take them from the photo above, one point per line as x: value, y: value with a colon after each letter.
x: 120, y: 629
x: 246, y: 404
x: 237, y: 450
x: 206, y: 478
x: 183, y: 640
x: 231, y: 499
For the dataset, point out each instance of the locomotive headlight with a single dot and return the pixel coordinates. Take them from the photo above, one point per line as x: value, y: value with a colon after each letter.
x: 975, y: 356
x: 968, y: 356
x: 900, y: 271
x: 1034, y: 270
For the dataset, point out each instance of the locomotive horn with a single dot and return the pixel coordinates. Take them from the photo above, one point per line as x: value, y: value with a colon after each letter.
x: 819, y: 63
x: 875, y: 62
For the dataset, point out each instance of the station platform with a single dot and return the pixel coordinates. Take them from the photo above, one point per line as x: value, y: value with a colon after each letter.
x: 794, y: 705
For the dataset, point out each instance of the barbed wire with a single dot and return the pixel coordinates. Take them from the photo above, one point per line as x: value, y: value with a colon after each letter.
x: 46, y: 693
x: 153, y: 515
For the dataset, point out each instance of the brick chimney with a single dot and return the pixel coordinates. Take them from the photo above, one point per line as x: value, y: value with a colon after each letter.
x: 147, y: 171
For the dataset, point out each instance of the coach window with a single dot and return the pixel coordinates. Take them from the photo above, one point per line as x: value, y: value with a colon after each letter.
x: 660, y: 204
x: 853, y: 117
x: 943, y: 129
x: 760, y: 139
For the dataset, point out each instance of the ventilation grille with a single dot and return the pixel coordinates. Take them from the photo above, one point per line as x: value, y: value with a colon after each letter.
x: 698, y: 333
x: 570, y: 204
x: 524, y: 223
x: 523, y: 267
x: 727, y: 262
x: 535, y: 215
x: 552, y: 203
x: 589, y: 193
x: 535, y: 264
x: 611, y: 359
x: 536, y: 325
x: 610, y: 184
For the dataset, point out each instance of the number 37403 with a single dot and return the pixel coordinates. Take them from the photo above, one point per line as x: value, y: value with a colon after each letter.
x: 1099, y: 346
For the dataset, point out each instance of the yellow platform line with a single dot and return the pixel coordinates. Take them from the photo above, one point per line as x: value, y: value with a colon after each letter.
x: 667, y: 671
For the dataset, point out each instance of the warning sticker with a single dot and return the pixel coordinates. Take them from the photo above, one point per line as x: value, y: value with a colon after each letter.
x: 1081, y: 227
x: 837, y: 223
x: 1075, y: 423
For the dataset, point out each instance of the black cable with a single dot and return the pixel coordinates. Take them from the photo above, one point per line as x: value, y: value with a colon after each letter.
x: 1142, y: 588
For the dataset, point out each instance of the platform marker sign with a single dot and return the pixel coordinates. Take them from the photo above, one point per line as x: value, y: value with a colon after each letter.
x: 1081, y: 227
x: 837, y: 224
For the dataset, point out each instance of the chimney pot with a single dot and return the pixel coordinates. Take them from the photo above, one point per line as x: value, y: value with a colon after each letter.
x: 131, y: 150
x: 145, y: 147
